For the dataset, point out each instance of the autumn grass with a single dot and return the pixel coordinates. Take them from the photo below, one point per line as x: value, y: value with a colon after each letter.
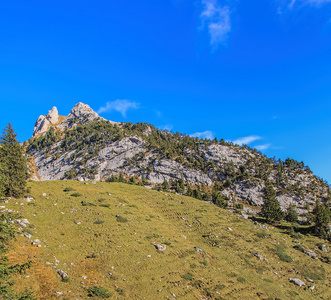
x: 111, y: 243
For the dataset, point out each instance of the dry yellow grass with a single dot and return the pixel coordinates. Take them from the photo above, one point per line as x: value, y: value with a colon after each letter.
x: 117, y: 253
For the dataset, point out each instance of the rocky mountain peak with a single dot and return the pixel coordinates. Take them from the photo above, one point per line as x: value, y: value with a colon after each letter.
x: 80, y: 114
x: 81, y: 109
x: 43, y: 123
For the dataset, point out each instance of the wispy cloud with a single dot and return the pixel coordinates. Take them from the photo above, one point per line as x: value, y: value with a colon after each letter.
x: 203, y: 135
x: 217, y: 19
x: 317, y: 2
x: 263, y: 147
x: 121, y: 106
x: 246, y: 140
x: 167, y: 127
x: 291, y: 3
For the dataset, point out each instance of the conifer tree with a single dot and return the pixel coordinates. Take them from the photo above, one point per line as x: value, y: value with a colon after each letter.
x: 322, y: 215
x: 270, y: 208
x: 291, y: 214
x: 13, y: 164
x: 165, y: 185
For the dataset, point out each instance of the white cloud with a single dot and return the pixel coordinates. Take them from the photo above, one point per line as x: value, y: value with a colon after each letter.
x: 122, y: 106
x: 167, y: 127
x: 217, y: 19
x: 263, y: 147
x: 246, y: 140
x: 203, y: 135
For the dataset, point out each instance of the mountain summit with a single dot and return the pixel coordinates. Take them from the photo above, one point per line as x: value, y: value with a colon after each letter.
x: 80, y: 114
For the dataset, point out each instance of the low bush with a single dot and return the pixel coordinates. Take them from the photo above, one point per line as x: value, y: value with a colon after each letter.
x: 99, y: 221
x: 76, y: 194
x: 121, y: 219
x: 98, y: 291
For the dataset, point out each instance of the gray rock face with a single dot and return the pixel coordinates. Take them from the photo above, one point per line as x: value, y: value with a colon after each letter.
x: 297, y: 281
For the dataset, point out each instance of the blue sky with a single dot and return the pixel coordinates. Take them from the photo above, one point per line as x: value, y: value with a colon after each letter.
x: 255, y: 72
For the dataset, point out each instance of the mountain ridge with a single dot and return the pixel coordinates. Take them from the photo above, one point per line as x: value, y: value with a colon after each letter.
x: 85, y: 146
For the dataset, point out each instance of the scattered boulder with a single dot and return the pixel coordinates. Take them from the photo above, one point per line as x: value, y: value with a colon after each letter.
x: 259, y: 256
x: 323, y: 248
x: 297, y: 281
x: 62, y: 273
x: 198, y: 250
x: 160, y: 247
x: 311, y: 254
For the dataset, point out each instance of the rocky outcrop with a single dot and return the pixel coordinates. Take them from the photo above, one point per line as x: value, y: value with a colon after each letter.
x: 43, y: 123
x: 80, y: 114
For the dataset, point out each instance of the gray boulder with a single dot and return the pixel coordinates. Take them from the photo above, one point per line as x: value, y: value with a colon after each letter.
x: 297, y: 281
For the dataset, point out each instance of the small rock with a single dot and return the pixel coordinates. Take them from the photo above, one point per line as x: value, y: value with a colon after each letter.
x: 230, y: 229
x: 198, y: 250
x: 149, y: 255
x: 310, y: 280
x: 62, y: 273
x: 59, y: 293
x: 297, y: 281
x: 84, y: 277
x: 160, y: 247
x: 259, y: 256
x: 311, y: 254
x: 312, y: 287
x: 44, y: 194
x: 323, y: 248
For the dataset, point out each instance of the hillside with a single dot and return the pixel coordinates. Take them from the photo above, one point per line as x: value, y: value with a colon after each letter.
x: 84, y: 146
x: 103, y: 235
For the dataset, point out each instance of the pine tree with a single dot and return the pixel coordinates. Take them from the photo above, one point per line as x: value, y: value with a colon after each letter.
x: 322, y: 215
x: 165, y: 185
x: 291, y: 214
x: 270, y: 208
x: 13, y: 164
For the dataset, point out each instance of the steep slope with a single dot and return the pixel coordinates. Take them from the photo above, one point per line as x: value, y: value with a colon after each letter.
x: 106, y: 235
x: 95, y: 149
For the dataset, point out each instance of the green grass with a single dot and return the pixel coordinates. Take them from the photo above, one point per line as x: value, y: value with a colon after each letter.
x: 97, y: 240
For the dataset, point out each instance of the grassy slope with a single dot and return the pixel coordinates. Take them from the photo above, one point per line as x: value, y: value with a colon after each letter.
x: 227, y: 269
